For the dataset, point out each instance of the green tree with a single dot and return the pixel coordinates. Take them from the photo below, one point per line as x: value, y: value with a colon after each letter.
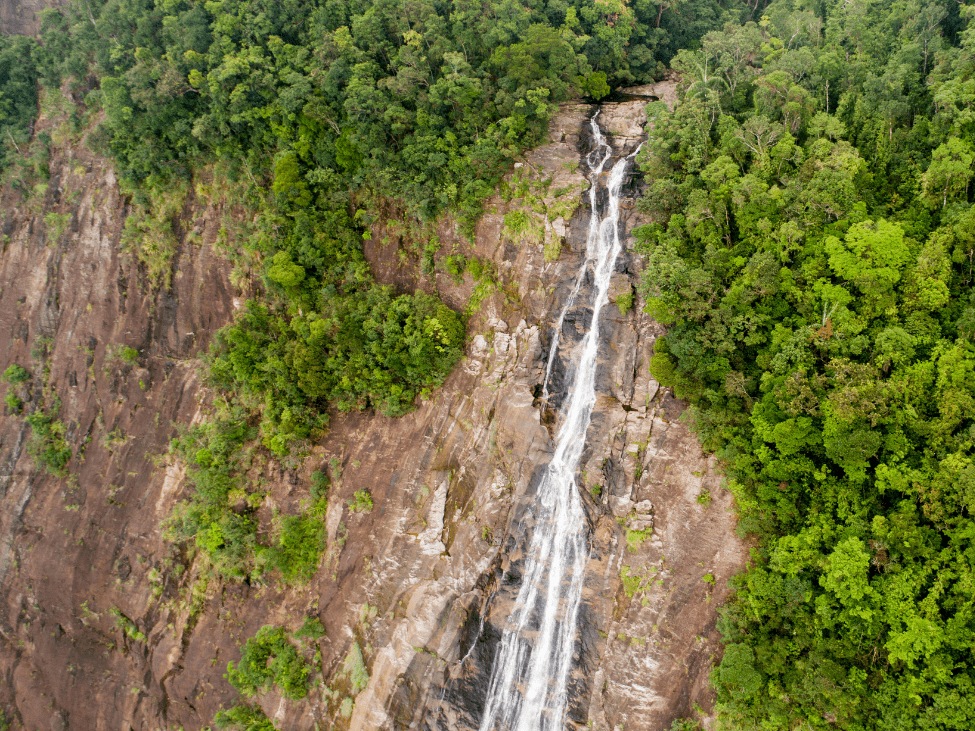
x: 950, y: 172
x: 270, y: 657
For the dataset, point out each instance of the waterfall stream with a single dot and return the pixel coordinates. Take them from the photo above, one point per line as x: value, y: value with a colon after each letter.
x: 527, y: 690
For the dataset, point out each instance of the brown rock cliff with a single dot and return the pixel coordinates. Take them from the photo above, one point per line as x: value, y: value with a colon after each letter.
x: 415, y: 581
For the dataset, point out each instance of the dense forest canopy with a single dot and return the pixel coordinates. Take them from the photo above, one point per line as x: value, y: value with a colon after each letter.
x: 18, y: 94
x: 811, y: 247
x: 373, y: 95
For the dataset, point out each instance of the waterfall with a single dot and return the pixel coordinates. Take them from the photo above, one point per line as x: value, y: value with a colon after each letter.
x: 603, y: 152
x: 527, y: 690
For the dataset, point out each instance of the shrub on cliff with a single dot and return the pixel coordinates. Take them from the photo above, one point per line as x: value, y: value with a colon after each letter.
x: 243, y: 718
x: 47, y: 443
x: 361, y: 502
x: 15, y: 375
x: 373, y: 349
x: 220, y: 516
x: 299, y: 543
x: 269, y: 657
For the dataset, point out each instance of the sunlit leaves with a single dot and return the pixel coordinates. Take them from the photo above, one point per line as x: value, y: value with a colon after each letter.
x: 832, y: 227
x: 950, y: 172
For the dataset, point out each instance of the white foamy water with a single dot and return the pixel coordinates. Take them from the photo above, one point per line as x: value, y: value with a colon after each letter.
x: 527, y: 691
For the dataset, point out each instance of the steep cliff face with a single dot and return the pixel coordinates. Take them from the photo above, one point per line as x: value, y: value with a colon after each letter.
x: 22, y: 17
x: 105, y: 625
x: 74, y: 548
x: 648, y: 630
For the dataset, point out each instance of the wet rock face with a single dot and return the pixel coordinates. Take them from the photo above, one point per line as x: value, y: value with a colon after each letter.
x: 425, y: 580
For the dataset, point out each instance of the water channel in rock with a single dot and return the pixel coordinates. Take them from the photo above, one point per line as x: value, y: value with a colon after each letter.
x: 527, y: 689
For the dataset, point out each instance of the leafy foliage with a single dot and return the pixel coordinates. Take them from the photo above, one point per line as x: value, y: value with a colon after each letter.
x: 127, y: 625
x: 355, y: 667
x: 243, y: 718
x: 811, y: 249
x: 270, y: 657
x: 18, y: 94
x: 47, y: 443
x: 427, y: 101
x: 311, y: 628
x: 13, y: 402
x: 219, y: 518
x: 373, y: 349
x: 300, y: 542
x: 15, y: 375
x: 361, y: 502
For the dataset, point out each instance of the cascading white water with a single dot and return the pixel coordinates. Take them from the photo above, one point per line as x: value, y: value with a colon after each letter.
x: 603, y: 152
x: 527, y: 691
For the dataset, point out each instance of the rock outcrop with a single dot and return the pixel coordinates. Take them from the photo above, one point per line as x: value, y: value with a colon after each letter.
x: 22, y: 17
x: 418, y: 582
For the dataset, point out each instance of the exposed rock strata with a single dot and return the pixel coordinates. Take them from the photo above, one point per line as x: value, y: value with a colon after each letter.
x: 422, y: 580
